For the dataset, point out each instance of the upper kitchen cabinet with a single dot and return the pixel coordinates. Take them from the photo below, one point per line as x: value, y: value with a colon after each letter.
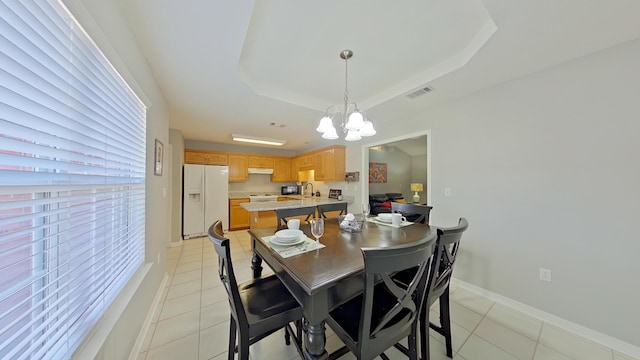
x: 263, y: 162
x: 305, y: 162
x: 238, y: 165
x: 329, y: 164
x: 205, y: 157
x: 281, y: 170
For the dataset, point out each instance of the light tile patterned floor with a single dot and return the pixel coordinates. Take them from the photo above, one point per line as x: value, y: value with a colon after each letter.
x: 192, y: 322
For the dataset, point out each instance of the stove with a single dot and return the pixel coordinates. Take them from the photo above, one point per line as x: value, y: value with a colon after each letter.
x: 262, y: 198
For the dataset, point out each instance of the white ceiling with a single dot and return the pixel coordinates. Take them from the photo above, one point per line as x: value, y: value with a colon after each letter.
x: 236, y: 66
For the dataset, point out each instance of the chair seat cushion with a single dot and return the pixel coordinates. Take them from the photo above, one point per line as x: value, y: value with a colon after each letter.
x: 266, y: 297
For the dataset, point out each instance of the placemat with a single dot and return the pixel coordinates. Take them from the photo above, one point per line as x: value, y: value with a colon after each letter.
x: 289, y: 251
x: 376, y: 221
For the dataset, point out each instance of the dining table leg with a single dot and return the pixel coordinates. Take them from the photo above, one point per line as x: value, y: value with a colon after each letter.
x: 315, y: 341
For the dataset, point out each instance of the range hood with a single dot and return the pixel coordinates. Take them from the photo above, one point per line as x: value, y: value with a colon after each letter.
x: 260, y: 171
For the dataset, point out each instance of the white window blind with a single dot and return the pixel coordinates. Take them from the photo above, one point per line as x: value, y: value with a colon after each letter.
x: 72, y: 181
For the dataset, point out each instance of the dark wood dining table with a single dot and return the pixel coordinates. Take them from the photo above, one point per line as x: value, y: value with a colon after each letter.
x: 322, y: 279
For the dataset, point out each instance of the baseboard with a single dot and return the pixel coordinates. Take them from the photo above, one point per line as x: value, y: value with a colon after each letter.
x: 175, y: 243
x: 147, y: 321
x: 600, y: 338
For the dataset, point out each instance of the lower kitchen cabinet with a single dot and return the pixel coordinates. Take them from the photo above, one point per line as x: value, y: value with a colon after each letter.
x: 238, y: 216
x: 263, y: 219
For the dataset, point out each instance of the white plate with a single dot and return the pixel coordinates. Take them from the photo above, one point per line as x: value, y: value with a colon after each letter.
x: 288, y: 235
x: 276, y: 240
x: 384, y: 218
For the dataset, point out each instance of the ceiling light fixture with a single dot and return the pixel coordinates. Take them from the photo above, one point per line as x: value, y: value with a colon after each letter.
x: 258, y: 140
x: 354, y: 122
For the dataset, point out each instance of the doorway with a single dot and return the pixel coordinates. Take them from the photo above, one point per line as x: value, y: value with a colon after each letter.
x: 407, y: 160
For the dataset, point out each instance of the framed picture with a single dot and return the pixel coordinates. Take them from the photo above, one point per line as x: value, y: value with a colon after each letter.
x: 333, y: 193
x: 377, y: 172
x: 158, y: 158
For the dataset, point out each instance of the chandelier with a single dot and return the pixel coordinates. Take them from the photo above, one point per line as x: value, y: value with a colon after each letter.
x: 353, y: 121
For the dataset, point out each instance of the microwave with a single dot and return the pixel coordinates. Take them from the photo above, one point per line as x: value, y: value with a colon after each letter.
x: 290, y: 190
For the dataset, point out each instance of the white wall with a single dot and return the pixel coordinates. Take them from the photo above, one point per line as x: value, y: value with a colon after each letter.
x: 177, y: 142
x: 105, y: 23
x: 545, y: 168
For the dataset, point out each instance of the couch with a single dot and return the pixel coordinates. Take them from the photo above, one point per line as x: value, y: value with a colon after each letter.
x: 381, y: 203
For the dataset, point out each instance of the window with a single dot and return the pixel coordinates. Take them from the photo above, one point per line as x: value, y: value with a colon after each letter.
x: 72, y: 181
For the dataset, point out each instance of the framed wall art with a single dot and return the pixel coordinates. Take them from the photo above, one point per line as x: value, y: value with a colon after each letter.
x: 334, y: 193
x: 158, y: 158
x: 377, y: 172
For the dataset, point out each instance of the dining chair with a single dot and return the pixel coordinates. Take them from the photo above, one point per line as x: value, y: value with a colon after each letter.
x: 446, y: 250
x: 386, y: 312
x: 414, y: 213
x: 259, y: 307
x: 324, y: 208
x: 283, y: 214
x: 447, y: 246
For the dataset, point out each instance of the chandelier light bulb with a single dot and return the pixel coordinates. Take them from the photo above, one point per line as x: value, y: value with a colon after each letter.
x: 353, y: 135
x: 330, y: 134
x: 367, y: 129
x: 355, y: 121
x: 325, y: 125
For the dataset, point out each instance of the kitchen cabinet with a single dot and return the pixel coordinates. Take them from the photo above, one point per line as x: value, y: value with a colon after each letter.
x: 329, y: 164
x: 238, y: 167
x: 281, y: 170
x: 263, y: 162
x: 305, y: 162
x: 262, y: 219
x: 238, y: 216
x: 268, y: 218
x: 205, y: 157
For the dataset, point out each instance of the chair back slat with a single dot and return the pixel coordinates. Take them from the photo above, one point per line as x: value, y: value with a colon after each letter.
x: 403, y: 300
x: 324, y: 208
x: 421, y: 211
x: 225, y: 271
x: 446, y: 250
x: 283, y: 215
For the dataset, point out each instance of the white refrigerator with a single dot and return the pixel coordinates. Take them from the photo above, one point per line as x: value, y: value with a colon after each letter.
x: 205, y: 199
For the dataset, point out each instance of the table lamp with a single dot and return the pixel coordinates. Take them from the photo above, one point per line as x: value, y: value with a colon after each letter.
x: 416, y: 187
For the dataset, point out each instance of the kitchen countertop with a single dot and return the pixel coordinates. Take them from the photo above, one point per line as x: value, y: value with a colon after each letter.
x: 289, y: 204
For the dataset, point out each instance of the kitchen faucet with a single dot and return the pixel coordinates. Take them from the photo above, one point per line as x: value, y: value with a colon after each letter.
x: 305, y: 187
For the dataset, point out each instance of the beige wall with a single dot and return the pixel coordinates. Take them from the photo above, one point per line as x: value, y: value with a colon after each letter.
x: 545, y: 169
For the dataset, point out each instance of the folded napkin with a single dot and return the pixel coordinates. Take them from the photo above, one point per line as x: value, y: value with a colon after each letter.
x: 286, y: 251
x: 348, y: 220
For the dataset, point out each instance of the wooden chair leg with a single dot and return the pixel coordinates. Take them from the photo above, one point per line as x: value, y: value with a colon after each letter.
x: 243, y: 347
x: 232, y: 339
x: 424, y: 334
x: 445, y: 320
x: 287, y: 337
x: 299, y: 332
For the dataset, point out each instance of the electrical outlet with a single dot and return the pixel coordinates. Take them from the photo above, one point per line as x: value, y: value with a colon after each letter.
x: 545, y: 274
x: 447, y: 191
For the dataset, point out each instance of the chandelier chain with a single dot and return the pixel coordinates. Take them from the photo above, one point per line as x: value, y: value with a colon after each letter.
x: 346, y: 84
